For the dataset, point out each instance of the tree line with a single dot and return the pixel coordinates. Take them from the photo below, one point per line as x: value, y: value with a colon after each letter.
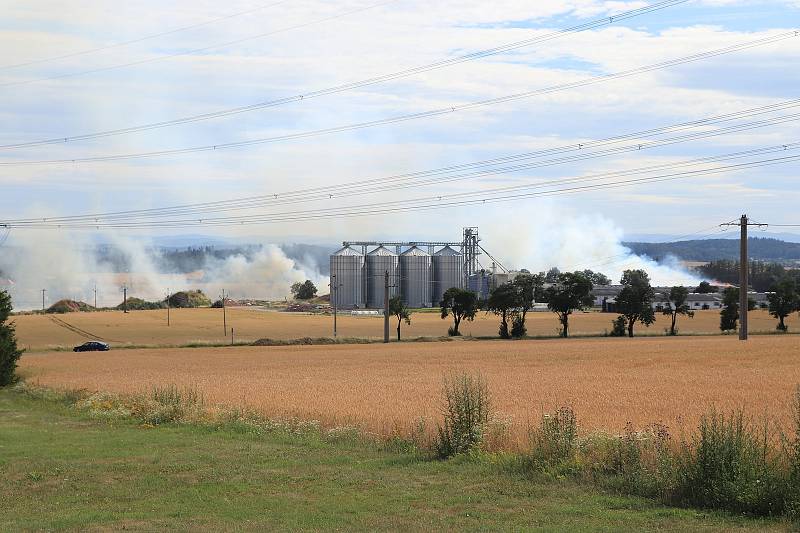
x: 761, y: 275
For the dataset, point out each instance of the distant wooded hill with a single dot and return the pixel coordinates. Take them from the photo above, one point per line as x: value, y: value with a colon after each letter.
x: 761, y: 249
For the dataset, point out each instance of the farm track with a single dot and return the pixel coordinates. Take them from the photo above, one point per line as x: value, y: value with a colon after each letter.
x: 82, y: 332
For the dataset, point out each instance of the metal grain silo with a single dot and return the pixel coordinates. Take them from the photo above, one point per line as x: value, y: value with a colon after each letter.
x: 347, y: 278
x: 415, y: 277
x: 379, y: 261
x: 448, y: 271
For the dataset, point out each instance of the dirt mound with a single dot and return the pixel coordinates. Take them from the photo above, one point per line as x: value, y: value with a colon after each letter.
x: 189, y: 299
x: 69, y: 306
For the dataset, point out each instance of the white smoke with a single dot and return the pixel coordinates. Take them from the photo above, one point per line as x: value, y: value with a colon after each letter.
x: 553, y: 236
x: 65, y: 264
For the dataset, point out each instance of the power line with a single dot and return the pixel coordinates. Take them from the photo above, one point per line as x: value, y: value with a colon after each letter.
x: 423, y: 114
x: 574, y: 153
x: 462, y: 199
x: 195, y: 50
x: 361, y: 83
x: 139, y: 39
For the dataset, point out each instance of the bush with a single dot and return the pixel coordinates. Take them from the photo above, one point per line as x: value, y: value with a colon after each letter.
x: 518, y: 329
x: 466, y: 413
x: 453, y: 332
x: 167, y: 404
x: 730, y: 466
x: 554, y: 441
x: 9, y: 354
x: 619, y: 327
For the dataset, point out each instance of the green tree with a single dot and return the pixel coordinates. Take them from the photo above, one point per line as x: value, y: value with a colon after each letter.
x: 528, y: 285
x: 305, y: 290
x: 570, y: 292
x: 552, y: 275
x: 706, y: 288
x: 462, y: 304
x: 505, y: 301
x: 677, y: 306
x: 783, y: 301
x: 729, y: 315
x: 9, y: 354
x: 635, y: 300
x: 398, y: 309
x: 597, y: 278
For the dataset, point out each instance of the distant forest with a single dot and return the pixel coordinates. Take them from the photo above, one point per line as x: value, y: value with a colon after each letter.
x: 760, y: 249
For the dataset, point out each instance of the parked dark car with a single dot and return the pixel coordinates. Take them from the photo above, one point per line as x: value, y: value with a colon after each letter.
x: 92, y: 346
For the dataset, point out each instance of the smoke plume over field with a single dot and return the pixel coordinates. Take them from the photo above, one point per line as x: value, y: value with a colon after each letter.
x: 69, y: 265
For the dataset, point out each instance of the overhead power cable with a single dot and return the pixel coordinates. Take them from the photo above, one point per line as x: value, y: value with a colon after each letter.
x: 360, y: 83
x: 558, y: 187
x: 196, y: 50
x: 574, y: 152
x: 467, y: 171
x: 140, y: 39
x: 425, y: 114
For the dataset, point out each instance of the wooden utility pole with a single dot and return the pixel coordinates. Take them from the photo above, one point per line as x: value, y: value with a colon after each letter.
x: 95, y: 297
x: 744, y: 268
x: 386, y: 307
x: 124, y: 298
x: 167, y: 307
x: 334, y: 288
x: 224, y: 317
x: 43, y: 291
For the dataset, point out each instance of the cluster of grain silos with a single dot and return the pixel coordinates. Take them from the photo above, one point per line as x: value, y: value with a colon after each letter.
x: 420, y: 277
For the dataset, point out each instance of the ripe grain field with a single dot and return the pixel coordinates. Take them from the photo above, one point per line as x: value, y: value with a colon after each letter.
x: 390, y: 388
x: 41, y: 332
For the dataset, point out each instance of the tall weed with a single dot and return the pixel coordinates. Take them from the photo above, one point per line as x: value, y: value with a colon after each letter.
x: 465, y: 412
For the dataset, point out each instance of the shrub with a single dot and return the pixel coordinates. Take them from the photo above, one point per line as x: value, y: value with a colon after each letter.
x: 167, y: 404
x: 554, y: 441
x: 518, y: 329
x: 730, y: 466
x: 453, y: 332
x: 466, y: 412
x: 619, y: 327
x: 9, y: 353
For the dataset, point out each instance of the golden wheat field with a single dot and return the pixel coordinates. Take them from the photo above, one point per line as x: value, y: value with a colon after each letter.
x: 38, y: 332
x: 387, y: 388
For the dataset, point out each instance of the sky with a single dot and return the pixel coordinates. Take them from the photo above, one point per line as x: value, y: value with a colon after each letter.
x: 283, y: 49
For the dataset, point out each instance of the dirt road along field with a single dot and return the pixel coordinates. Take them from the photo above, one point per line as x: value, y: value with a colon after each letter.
x: 384, y: 388
x: 38, y: 332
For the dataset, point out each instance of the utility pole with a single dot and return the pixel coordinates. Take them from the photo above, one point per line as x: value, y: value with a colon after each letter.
x: 334, y: 288
x: 386, y: 307
x: 224, y: 317
x: 95, y: 296
x: 43, y: 291
x: 124, y: 298
x: 744, y: 267
x: 167, y: 307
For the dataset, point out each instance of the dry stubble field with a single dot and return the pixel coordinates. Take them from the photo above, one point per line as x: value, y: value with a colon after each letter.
x: 40, y: 332
x: 383, y: 388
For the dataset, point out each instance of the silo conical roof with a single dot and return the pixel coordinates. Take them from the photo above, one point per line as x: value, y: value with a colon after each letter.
x: 414, y: 251
x: 347, y: 251
x: 382, y: 250
x: 447, y: 251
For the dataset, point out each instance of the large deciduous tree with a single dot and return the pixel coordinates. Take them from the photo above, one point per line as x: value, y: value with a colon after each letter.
x: 9, y: 354
x: 399, y: 310
x: 505, y: 301
x: 462, y: 304
x: 529, y: 286
x: 729, y: 315
x: 305, y: 290
x: 677, y: 305
x: 783, y: 301
x: 635, y: 300
x: 571, y: 292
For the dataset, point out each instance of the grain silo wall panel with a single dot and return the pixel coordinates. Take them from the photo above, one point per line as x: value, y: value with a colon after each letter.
x: 377, y: 265
x: 448, y: 271
x: 348, y: 271
x: 415, y: 278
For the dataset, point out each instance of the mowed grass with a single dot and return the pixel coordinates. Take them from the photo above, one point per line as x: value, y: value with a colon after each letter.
x: 61, y: 471
x: 391, y: 389
x: 38, y: 332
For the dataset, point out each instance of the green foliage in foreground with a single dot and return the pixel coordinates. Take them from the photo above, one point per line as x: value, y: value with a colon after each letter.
x: 9, y: 353
x: 62, y: 469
